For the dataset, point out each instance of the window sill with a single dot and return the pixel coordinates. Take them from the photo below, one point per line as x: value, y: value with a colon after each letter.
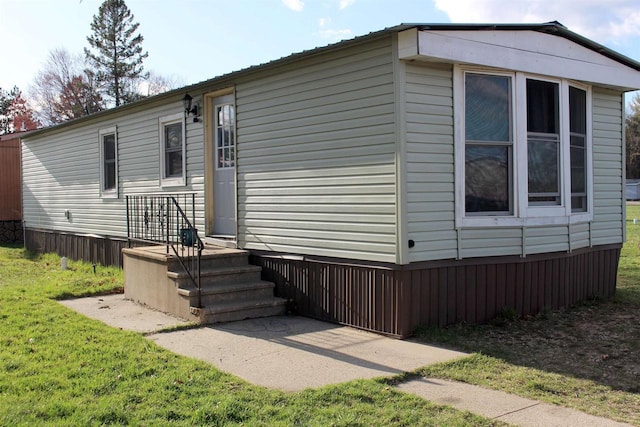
x: 498, y: 221
x: 111, y: 194
x: 172, y: 183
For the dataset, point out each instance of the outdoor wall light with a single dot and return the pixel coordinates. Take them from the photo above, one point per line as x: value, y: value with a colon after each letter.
x: 188, y: 108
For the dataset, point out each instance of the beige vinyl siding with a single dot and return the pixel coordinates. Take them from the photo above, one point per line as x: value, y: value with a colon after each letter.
x: 547, y: 239
x: 607, y: 167
x: 430, y: 180
x: 430, y: 162
x: 316, y: 156
x: 68, y: 177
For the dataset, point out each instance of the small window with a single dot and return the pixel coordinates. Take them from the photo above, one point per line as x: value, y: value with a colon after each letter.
x: 172, y: 149
x: 488, y: 145
x: 108, y: 162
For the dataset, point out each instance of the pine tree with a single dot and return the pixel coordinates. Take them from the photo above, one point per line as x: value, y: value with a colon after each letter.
x: 118, y: 56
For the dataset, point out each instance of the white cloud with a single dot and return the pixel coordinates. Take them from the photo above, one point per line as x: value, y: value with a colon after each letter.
x: 606, y: 22
x: 334, y: 35
x: 295, y: 5
x: 346, y: 3
x: 322, y: 22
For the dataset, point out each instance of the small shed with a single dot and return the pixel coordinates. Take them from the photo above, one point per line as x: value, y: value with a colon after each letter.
x: 10, y: 191
x: 632, y: 189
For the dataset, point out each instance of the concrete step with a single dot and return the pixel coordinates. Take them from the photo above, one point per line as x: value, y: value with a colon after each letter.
x: 216, y: 258
x: 240, y: 310
x: 227, y: 292
x: 212, y: 277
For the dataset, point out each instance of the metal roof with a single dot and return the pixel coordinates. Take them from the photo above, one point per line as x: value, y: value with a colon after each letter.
x: 553, y: 28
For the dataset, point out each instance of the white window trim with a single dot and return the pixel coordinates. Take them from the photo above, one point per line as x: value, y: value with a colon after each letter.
x: 523, y: 214
x: 162, y: 122
x: 112, y: 193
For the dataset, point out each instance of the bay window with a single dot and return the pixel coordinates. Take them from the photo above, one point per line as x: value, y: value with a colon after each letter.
x: 523, y: 149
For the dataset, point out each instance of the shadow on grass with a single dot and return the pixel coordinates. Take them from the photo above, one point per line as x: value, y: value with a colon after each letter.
x: 597, y: 341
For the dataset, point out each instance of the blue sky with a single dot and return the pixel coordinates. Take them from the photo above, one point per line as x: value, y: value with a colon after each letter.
x: 194, y: 40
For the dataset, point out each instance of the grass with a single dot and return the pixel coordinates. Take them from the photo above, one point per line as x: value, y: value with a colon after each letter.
x: 586, y: 357
x: 59, y: 368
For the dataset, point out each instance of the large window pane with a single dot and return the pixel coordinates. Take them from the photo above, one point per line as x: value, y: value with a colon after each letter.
x: 487, y: 172
x: 173, y: 166
x: 487, y: 108
x: 543, y: 163
x: 109, y: 142
x: 543, y: 142
x: 578, y: 152
x: 173, y: 136
x: 110, y: 176
x: 542, y: 107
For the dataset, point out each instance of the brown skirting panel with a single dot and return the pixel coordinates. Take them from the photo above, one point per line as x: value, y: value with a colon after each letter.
x: 95, y: 249
x: 394, y: 299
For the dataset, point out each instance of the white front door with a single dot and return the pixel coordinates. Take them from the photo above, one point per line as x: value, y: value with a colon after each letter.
x: 224, y: 176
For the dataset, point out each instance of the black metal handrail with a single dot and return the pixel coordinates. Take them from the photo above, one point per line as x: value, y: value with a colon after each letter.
x: 164, y: 219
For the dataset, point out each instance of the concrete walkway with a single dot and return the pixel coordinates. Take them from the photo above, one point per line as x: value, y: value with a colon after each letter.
x: 501, y: 406
x: 292, y: 353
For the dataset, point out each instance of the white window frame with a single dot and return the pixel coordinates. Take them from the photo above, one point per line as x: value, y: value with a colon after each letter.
x: 111, y: 193
x: 178, y: 181
x: 523, y: 214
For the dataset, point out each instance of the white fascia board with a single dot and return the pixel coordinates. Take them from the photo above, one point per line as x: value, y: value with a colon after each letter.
x: 526, y: 51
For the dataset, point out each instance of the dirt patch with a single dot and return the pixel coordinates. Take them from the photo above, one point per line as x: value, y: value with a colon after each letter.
x: 599, y: 341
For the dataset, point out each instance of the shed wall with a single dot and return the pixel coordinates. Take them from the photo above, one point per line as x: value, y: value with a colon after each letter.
x: 10, y: 205
x: 316, y: 156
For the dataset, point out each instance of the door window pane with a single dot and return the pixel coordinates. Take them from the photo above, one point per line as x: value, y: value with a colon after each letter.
x: 225, y: 138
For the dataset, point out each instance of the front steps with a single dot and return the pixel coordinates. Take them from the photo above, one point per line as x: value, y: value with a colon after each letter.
x: 231, y: 288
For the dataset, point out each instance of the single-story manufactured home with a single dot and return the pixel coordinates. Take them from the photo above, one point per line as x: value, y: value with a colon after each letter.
x: 419, y: 175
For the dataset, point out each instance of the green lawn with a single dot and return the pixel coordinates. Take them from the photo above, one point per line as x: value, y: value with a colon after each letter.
x: 60, y: 368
